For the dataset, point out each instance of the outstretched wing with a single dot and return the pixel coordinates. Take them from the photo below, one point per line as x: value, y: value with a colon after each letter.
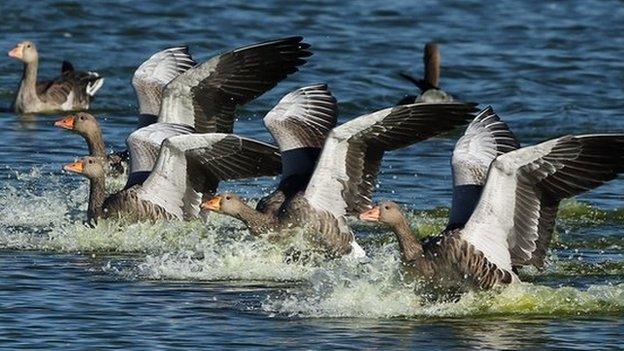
x: 515, y: 217
x: 299, y: 124
x: 144, y: 146
x: 206, y: 96
x: 155, y: 73
x: 485, y: 138
x: 189, y: 165
x: 345, y: 175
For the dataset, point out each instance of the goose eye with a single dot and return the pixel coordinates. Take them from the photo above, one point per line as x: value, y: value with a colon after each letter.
x: 387, y: 207
x: 228, y: 197
x: 28, y: 45
x: 90, y: 161
x: 81, y: 118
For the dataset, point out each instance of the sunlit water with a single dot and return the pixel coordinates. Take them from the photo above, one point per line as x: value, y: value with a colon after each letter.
x: 548, y: 68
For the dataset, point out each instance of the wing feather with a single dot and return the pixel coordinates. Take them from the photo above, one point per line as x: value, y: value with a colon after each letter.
x: 144, y: 147
x: 485, y: 138
x: 515, y: 218
x: 303, y: 118
x: 189, y: 165
x: 346, y: 173
x: 155, y: 73
x: 206, y: 96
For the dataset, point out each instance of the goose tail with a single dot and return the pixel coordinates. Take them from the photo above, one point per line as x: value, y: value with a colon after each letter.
x: 95, y: 83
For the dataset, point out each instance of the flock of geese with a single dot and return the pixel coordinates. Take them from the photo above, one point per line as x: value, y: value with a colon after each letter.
x: 505, y: 197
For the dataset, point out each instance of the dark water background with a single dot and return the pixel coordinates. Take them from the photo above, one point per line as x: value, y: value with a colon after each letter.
x: 548, y: 68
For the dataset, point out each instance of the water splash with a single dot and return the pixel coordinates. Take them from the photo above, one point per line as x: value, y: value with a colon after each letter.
x: 379, y: 290
x: 220, y: 248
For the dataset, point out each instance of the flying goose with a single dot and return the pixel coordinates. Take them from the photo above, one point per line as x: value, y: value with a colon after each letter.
x: 202, y: 98
x: 429, y: 86
x: 187, y: 166
x: 343, y: 179
x: 72, y: 90
x: 514, y: 220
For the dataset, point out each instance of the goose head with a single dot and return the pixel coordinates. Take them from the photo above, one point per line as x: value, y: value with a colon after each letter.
x: 89, y: 166
x: 82, y: 123
x: 226, y: 203
x: 386, y: 212
x: 25, y: 51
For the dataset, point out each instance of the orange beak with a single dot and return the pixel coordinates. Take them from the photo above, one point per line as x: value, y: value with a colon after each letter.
x: 65, y: 123
x: 76, y: 167
x: 371, y: 215
x: 17, y: 52
x: 213, y: 204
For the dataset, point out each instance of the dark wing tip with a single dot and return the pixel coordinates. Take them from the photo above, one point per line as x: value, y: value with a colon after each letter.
x: 488, y: 110
x: 504, y: 138
x: 66, y: 66
x: 317, y: 86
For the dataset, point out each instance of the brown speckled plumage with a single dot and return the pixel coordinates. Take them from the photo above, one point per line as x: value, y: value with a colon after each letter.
x: 126, y: 204
x: 446, y: 261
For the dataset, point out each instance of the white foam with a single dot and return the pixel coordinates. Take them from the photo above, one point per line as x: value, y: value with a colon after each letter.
x: 219, y: 248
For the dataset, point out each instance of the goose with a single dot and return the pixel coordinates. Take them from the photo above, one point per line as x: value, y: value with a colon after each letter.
x: 202, y: 101
x: 204, y: 98
x: 429, y: 85
x: 148, y: 81
x: 515, y: 217
x: 344, y: 177
x: 72, y: 90
x: 187, y: 166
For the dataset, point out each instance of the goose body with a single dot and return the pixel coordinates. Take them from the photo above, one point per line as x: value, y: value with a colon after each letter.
x: 188, y: 166
x: 514, y: 219
x: 342, y: 181
x: 72, y: 90
x: 429, y: 85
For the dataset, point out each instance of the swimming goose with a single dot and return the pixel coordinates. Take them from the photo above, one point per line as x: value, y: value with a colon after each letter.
x: 72, y: 90
x: 187, y: 166
x: 429, y: 86
x: 514, y: 220
x: 344, y: 176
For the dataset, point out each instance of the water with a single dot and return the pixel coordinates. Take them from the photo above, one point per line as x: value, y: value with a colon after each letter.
x: 548, y: 68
